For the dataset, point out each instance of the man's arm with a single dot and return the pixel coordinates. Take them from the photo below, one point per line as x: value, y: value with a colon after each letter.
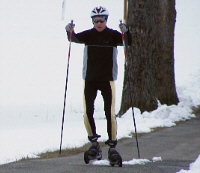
x: 77, y: 38
x: 74, y: 38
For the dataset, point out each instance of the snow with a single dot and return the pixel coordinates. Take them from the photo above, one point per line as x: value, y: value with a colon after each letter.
x: 33, y: 61
x: 136, y: 161
x: 130, y: 162
x: 194, y: 167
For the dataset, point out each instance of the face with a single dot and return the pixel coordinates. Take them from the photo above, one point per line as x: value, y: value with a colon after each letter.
x: 99, y: 26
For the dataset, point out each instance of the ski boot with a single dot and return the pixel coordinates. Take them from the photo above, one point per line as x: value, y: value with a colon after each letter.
x: 94, y: 152
x: 114, y: 157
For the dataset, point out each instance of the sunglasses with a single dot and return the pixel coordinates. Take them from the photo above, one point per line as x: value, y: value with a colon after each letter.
x: 97, y: 21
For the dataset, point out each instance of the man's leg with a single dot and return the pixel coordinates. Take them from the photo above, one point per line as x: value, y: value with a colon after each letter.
x: 90, y: 92
x: 89, y: 96
x: 108, y: 93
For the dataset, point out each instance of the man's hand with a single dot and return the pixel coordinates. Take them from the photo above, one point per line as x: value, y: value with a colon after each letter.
x: 123, y: 27
x: 69, y: 27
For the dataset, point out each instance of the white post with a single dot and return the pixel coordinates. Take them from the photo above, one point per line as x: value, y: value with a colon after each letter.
x: 63, y: 9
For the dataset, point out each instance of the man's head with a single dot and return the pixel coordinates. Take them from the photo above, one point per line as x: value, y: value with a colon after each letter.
x: 99, y: 17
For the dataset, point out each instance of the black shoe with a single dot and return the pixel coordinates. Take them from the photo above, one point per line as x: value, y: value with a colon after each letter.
x: 95, y: 149
x: 114, y: 157
x: 94, y: 152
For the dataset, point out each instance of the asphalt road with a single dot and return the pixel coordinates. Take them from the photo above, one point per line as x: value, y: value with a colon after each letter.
x: 178, y: 146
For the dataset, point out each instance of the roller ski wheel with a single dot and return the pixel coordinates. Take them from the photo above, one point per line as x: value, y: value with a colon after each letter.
x: 93, y: 153
x: 114, y: 158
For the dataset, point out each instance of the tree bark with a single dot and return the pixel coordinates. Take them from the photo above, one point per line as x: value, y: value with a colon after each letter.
x: 151, y: 55
x: 165, y: 80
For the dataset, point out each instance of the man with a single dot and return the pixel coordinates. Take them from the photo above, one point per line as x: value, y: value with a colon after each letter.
x: 99, y: 73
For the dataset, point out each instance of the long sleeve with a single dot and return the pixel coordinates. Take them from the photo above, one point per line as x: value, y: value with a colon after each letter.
x: 78, y: 38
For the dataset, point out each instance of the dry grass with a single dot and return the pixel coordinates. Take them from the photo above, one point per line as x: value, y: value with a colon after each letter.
x: 64, y: 152
x: 196, y: 109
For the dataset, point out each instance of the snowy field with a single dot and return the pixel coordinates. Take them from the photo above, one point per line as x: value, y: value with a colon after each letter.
x: 33, y: 62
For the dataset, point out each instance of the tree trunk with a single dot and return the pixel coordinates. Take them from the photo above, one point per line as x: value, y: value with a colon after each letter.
x: 150, y: 57
x: 165, y: 81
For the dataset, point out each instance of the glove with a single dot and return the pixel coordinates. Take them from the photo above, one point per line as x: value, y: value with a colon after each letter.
x: 123, y: 27
x: 69, y: 27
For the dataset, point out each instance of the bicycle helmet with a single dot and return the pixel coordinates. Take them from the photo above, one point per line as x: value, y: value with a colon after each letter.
x: 99, y: 12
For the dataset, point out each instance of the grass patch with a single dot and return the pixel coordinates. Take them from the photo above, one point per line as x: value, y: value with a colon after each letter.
x: 66, y: 152
x: 26, y: 158
x: 133, y: 135
x: 196, y: 110
x: 156, y: 129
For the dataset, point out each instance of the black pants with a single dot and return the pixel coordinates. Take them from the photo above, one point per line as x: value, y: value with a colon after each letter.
x: 107, y: 89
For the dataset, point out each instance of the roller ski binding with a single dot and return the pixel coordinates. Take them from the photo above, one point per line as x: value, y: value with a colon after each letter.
x: 114, y: 157
x: 94, y: 152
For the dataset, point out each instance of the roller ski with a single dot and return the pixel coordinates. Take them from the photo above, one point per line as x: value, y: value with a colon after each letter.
x: 114, y: 157
x: 94, y: 152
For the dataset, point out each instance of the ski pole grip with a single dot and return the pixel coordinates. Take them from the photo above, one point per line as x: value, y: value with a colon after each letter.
x: 72, y: 24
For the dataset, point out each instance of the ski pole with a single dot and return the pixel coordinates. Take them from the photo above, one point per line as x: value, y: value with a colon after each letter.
x: 125, y: 43
x: 63, y: 117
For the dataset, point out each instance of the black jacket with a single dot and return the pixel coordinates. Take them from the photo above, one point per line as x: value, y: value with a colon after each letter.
x: 100, y: 53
